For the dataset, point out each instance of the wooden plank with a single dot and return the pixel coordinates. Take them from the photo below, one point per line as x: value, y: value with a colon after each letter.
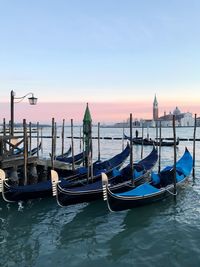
x: 16, y: 161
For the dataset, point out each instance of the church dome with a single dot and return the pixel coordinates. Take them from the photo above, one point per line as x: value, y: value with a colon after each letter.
x: 177, y: 111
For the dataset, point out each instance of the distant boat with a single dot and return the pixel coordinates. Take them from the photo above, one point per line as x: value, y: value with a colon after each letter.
x: 151, y: 142
x: 160, y: 187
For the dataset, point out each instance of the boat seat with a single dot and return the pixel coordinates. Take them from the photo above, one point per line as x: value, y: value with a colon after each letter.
x: 139, y: 167
x: 115, y: 172
x: 141, y: 190
x: 137, y: 174
x: 82, y: 170
x: 179, y: 177
x: 155, y: 179
x: 166, y: 178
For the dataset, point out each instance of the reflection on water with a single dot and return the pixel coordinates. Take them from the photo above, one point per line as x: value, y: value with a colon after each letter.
x: 40, y: 233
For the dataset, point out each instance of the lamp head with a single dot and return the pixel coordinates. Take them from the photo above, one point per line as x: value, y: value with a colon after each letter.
x: 32, y: 100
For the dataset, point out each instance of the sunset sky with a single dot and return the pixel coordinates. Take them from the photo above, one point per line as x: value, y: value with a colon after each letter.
x: 115, y: 55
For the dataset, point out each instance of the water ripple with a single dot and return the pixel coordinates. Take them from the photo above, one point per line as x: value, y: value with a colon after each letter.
x: 40, y: 233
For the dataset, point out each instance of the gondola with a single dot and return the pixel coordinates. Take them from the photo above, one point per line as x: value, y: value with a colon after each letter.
x: 77, y: 159
x: 32, y: 152
x: 160, y: 187
x: 119, y: 180
x: 69, y: 178
x: 66, y: 154
x: 151, y: 142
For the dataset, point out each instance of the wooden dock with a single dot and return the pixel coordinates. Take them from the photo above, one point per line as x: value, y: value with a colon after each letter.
x: 16, y: 161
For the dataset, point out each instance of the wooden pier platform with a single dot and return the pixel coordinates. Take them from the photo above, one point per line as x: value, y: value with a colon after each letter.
x: 14, y: 161
x: 57, y: 164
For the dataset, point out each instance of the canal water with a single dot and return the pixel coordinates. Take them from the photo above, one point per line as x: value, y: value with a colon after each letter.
x: 41, y: 233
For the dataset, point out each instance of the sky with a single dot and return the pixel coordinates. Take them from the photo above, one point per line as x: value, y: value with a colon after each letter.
x: 114, y: 54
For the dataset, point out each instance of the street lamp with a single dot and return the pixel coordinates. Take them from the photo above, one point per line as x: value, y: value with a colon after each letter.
x: 32, y: 101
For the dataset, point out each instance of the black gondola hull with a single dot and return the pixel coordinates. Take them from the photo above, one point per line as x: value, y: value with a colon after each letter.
x: 117, y: 204
x: 12, y: 196
x: 149, y: 193
x: 67, y: 197
x: 64, y: 199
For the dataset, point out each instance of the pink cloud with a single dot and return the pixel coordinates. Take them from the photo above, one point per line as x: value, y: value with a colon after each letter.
x: 100, y: 112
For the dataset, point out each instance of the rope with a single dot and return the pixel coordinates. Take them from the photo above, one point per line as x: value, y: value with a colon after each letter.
x: 171, y: 192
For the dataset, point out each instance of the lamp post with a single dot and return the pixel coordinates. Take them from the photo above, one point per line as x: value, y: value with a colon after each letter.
x: 32, y: 101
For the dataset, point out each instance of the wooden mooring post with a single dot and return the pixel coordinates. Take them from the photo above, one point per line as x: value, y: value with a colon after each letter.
x: 55, y: 140
x: 159, y: 155
x: 90, y: 158
x: 63, y: 136
x: 123, y: 137
x: 30, y: 136
x: 25, y: 152
x: 142, y: 146
x: 131, y: 149
x: 156, y: 134
x: 38, y: 139
x: 72, y: 140
x: 52, y: 143
x: 174, y: 134
x: 41, y: 134
x: 194, y: 146
x: 99, y: 141
x: 4, y: 134
x: 80, y: 145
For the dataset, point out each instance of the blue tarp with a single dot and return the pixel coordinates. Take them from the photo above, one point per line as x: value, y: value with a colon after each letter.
x: 137, y: 174
x: 141, y: 190
x: 186, y: 164
x: 155, y: 178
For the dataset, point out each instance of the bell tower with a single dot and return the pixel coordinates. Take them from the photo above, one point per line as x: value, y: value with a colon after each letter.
x: 155, y: 109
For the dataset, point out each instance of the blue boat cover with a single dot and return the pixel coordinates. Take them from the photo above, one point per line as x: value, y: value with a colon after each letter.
x: 186, y: 164
x: 141, y: 190
x: 155, y: 178
x: 137, y: 174
x: 87, y: 187
x: 179, y: 178
x: 115, y: 172
x: 82, y: 170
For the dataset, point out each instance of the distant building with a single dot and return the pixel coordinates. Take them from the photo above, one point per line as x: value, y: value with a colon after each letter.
x: 181, y: 119
x: 198, y: 121
x: 155, y: 109
x: 147, y: 123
